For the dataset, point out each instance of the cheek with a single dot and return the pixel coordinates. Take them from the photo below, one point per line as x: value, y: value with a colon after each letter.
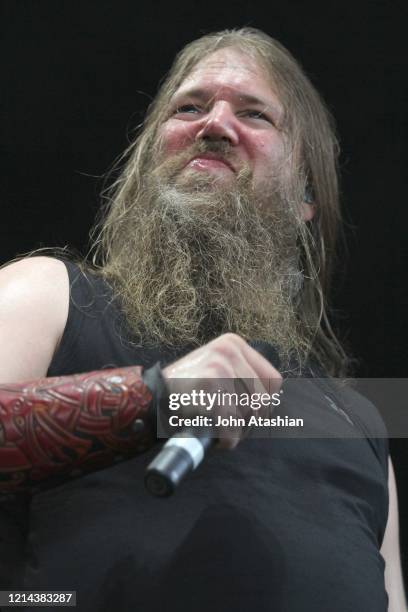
x: 267, y: 154
x: 174, y: 136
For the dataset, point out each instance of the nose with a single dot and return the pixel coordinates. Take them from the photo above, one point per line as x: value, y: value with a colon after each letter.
x: 220, y: 123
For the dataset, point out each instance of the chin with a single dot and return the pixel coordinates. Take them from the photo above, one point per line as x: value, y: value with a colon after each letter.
x: 200, y: 180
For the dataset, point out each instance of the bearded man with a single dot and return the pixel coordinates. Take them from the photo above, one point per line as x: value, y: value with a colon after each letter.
x: 220, y: 231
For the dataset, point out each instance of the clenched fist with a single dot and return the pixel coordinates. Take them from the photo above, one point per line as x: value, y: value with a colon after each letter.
x: 219, y: 366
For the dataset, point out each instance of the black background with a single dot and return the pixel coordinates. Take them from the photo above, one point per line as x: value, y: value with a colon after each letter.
x: 78, y: 75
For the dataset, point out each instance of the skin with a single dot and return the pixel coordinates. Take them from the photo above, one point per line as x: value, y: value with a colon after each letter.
x: 226, y: 357
x: 211, y: 104
x: 227, y: 97
x: 34, y: 293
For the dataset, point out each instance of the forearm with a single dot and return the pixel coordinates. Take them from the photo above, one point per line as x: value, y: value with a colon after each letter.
x: 60, y: 427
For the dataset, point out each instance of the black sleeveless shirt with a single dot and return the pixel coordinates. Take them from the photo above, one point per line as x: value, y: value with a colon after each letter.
x: 277, y: 525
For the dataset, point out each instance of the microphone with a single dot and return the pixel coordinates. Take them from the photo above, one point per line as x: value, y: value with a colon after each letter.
x: 184, y: 451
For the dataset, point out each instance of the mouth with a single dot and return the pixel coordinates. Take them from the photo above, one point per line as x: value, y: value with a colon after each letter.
x: 209, y: 161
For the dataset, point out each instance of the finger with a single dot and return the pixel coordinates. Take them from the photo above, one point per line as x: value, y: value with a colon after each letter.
x: 245, y: 360
x: 227, y: 443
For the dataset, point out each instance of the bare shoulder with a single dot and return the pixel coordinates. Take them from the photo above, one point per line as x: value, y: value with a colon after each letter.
x: 33, y: 280
x: 34, y: 302
x: 32, y: 267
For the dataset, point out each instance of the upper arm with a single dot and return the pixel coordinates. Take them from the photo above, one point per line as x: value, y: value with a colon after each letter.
x: 390, y: 550
x: 34, y: 302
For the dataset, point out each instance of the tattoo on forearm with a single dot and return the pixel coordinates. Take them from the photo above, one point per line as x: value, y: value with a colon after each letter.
x: 59, y: 427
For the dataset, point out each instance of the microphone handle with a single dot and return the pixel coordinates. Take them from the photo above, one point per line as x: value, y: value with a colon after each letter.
x: 184, y: 451
x: 181, y: 454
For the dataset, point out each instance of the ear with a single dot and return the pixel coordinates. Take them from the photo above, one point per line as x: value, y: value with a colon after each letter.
x: 307, y: 211
x: 308, y: 207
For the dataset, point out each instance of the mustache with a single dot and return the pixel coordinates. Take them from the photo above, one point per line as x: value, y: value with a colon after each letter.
x: 223, y: 149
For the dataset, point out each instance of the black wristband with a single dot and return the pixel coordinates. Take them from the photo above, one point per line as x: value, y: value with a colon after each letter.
x: 154, y: 380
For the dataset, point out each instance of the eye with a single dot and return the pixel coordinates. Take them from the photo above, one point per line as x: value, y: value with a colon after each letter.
x: 187, y: 109
x: 257, y: 114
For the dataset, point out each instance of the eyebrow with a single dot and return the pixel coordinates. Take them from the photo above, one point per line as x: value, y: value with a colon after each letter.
x: 203, y: 94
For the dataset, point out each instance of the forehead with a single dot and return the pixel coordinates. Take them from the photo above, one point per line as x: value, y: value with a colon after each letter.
x: 230, y: 70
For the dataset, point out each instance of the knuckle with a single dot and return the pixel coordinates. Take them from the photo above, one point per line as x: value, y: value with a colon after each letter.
x: 228, y: 345
x: 218, y: 369
x: 277, y: 378
x: 229, y: 339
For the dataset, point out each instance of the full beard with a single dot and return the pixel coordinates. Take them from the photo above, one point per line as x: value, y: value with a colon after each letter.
x: 202, y: 256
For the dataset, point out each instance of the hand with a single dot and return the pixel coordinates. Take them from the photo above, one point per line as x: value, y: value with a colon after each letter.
x: 226, y: 357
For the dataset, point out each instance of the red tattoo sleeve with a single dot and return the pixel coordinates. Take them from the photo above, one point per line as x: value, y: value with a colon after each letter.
x: 64, y: 426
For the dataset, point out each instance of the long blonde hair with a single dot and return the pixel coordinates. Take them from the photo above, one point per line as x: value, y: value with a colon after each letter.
x: 311, y: 133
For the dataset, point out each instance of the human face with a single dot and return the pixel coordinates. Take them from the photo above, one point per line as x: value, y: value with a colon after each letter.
x: 227, y: 98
